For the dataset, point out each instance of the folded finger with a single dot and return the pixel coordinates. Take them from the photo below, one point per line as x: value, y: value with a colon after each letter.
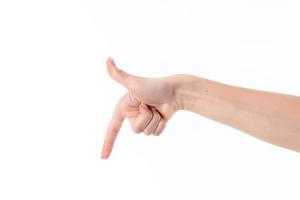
x: 161, y: 126
x: 153, y: 124
x: 139, y: 123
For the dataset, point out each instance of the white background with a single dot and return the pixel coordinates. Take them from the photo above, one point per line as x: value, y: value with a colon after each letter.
x: 56, y: 98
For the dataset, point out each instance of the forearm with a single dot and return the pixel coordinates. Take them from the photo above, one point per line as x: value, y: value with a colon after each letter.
x: 272, y: 117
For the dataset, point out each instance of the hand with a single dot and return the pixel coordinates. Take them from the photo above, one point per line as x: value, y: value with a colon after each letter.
x: 148, y: 104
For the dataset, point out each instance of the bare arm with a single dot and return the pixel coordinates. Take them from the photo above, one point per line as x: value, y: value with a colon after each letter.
x: 150, y: 102
x: 271, y: 117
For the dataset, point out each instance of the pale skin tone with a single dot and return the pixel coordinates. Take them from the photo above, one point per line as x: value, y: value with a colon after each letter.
x: 150, y: 103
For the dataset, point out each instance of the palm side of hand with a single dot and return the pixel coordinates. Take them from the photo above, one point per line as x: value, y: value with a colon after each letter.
x: 148, y: 104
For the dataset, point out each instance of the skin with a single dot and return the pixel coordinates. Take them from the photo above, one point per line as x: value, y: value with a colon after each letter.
x: 150, y: 102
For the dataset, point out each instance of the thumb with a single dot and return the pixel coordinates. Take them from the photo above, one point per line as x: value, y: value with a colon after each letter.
x: 119, y: 75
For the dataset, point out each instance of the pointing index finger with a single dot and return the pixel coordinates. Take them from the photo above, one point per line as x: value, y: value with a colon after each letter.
x: 111, y: 134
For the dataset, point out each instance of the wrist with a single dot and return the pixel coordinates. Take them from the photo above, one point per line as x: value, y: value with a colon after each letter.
x: 188, y: 90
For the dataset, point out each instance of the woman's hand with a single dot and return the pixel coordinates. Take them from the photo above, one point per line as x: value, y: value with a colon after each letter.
x: 148, y: 104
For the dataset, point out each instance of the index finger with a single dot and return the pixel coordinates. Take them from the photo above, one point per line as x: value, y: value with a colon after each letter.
x: 111, y: 134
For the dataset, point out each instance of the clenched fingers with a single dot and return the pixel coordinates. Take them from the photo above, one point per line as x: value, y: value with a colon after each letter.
x: 153, y: 124
x: 139, y: 123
